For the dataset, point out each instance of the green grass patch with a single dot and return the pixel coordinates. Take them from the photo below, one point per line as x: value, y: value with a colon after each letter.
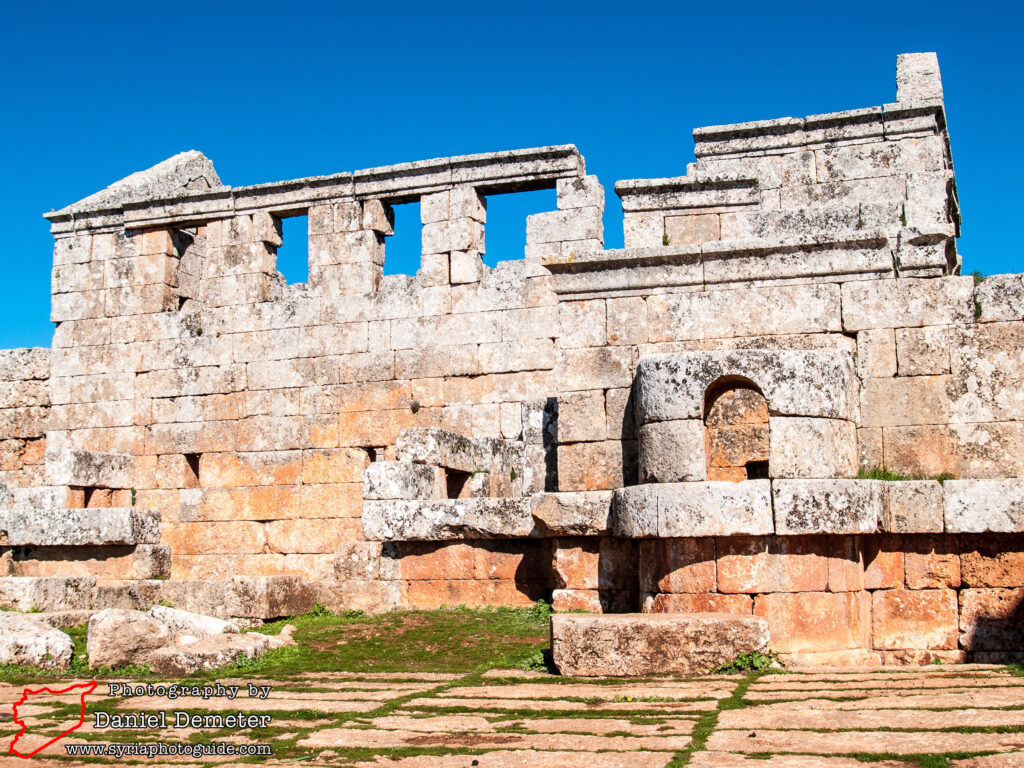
x: 454, y: 640
x: 881, y: 473
x: 747, y: 662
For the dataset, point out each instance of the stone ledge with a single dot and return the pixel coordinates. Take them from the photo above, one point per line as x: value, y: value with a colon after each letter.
x: 637, y: 644
x: 447, y: 519
x: 110, y: 526
x: 682, y: 510
x: 827, y: 506
x: 981, y: 506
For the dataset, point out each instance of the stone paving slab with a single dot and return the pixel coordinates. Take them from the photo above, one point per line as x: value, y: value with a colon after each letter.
x: 511, y: 719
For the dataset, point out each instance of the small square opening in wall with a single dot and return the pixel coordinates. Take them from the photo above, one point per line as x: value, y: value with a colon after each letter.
x: 293, y: 253
x: 402, y: 249
x: 455, y: 482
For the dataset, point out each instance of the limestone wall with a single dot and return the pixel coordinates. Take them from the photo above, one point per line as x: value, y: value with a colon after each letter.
x: 374, y: 441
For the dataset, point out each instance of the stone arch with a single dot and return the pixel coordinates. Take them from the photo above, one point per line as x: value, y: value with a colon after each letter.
x: 736, y: 430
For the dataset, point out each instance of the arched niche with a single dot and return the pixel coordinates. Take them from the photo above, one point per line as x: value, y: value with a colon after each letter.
x: 736, y: 430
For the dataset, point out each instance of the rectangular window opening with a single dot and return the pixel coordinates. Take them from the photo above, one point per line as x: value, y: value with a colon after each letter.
x: 506, y: 222
x: 192, y: 470
x: 402, y: 249
x: 455, y: 482
x: 293, y: 253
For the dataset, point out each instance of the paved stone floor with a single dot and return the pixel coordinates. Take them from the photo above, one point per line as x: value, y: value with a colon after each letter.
x: 834, y: 718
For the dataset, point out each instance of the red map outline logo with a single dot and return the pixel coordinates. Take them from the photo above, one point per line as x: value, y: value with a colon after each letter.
x: 89, y: 688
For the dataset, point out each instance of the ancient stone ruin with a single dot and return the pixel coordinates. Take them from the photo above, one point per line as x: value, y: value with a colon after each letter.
x: 689, y: 424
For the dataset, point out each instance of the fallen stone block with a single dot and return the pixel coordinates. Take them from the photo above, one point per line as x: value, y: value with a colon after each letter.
x: 28, y: 642
x: 186, y: 623
x: 638, y: 644
x: 979, y: 506
x: 572, y: 513
x: 212, y: 652
x: 447, y: 519
x: 118, y: 637
x: 64, y: 619
x: 281, y: 640
x: 827, y: 506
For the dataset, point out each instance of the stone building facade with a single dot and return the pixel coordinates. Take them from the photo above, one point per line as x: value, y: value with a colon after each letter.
x: 694, y: 422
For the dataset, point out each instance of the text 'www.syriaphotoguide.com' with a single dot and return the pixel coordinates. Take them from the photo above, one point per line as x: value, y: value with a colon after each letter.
x: 159, y: 749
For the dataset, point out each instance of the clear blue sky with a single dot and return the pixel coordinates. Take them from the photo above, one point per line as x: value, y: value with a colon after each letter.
x: 269, y: 91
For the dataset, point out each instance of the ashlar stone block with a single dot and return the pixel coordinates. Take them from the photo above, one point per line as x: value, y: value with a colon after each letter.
x: 812, y: 448
x: 672, y: 451
x: 978, y: 506
x: 827, y: 506
x: 913, y: 507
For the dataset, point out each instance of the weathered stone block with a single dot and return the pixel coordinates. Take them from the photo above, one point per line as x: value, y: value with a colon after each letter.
x: 907, y: 303
x: 209, y: 653
x: 193, y: 625
x: 268, y: 597
x: 932, y: 562
x: 803, y: 622
x: 811, y: 448
x: 631, y: 645
x: 992, y: 561
x: 29, y: 642
x: 89, y: 468
x: 82, y: 527
x: 876, y: 353
x: 925, y: 619
x: 794, y: 382
x: 48, y: 593
x: 737, y: 605
x: 913, y: 507
x: 978, y: 506
x: 750, y: 312
x: 402, y: 480
x: 118, y: 637
x: 694, y: 509
x: 924, y: 451
x: 596, y: 466
x: 447, y: 519
x: 677, y: 565
x: 922, y: 351
x: 576, y: 566
x: 827, y: 506
x: 581, y: 417
x: 910, y: 401
x: 753, y: 564
x: 990, y: 619
x: 1000, y: 298
x: 574, y: 513
x: 572, y: 224
x: 671, y: 451
x: 594, y: 368
x: 579, y: 192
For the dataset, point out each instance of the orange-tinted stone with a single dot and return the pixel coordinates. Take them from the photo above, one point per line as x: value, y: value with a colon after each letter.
x: 932, y: 561
x: 992, y: 619
x: 914, y: 618
x: 526, y: 560
x: 564, y: 600
x: 677, y: 565
x: 772, y: 564
x: 436, y: 561
x: 576, y: 565
x: 926, y: 451
x: 617, y: 565
x: 816, y: 621
x: 702, y: 603
x: 883, y: 562
x: 736, y: 433
x: 992, y: 560
x: 845, y: 564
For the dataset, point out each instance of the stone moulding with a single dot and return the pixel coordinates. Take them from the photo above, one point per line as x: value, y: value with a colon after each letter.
x: 818, y: 506
x: 490, y: 173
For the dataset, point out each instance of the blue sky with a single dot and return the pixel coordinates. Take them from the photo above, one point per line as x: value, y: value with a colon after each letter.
x: 268, y: 91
